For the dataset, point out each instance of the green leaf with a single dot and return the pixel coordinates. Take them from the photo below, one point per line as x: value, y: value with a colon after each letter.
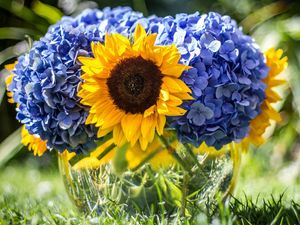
x: 10, y: 146
x: 140, y: 5
x: 13, y: 51
x: 48, y: 12
x: 15, y: 33
x: 2, y: 87
x: 25, y: 14
x: 172, y: 193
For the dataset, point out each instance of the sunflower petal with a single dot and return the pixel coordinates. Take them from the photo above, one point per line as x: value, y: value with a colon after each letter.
x: 118, y: 136
x: 174, y: 70
x: 161, y: 121
x: 130, y: 124
x: 175, y: 85
x: 139, y: 32
x: 113, y: 118
x: 147, y: 125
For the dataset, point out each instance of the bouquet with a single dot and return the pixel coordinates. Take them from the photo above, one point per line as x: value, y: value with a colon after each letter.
x: 145, y: 113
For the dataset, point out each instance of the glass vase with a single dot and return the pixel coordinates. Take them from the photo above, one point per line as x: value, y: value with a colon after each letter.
x: 198, y: 178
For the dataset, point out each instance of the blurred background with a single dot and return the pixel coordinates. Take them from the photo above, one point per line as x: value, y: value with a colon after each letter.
x: 274, y: 168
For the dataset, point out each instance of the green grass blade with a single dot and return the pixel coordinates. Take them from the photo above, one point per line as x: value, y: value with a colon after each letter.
x: 10, y: 146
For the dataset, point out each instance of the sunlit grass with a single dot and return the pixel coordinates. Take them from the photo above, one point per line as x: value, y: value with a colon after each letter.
x: 31, y: 195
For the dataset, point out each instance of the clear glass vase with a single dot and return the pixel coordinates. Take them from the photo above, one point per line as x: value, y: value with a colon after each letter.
x: 194, y: 182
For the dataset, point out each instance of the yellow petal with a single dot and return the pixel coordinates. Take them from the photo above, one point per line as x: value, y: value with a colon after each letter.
x: 139, y: 32
x: 174, y: 70
x: 143, y: 143
x: 118, y: 136
x: 11, y: 66
x: 131, y: 124
x: 148, y: 123
x: 183, y: 96
x: 97, y: 49
x: 89, y: 119
x: 135, y: 137
x: 103, y: 132
x: 175, y: 111
x: 162, y: 107
x: 91, y: 87
x: 150, y: 39
x: 123, y: 43
x: 157, y: 56
x: 164, y: 95
x: 174, y: 101
x: 150, y: 111
x: 101, y: 148
x: 162, y: 159
x: 161, y: 121
x: 272, y: 96
x: 87, y: 163
x: 113, y: 118
x: 274, y: 83
x: 175, y: 85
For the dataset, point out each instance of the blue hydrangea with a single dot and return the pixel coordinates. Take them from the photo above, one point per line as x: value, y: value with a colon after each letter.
x: 226, y: 78
x: 47, y: 77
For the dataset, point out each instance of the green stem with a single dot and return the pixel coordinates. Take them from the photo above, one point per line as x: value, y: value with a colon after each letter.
x: 104, y: 139
x: 106, y: 151
x: 194, y: 158
x: 184, y: 193
x: 175, y: 155
x: 78, y: 157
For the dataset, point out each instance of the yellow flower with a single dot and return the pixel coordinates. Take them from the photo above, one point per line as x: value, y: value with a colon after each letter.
x: 34, y: 143
x: 131, y: 87
x: 259, y: 124
x: 9, y: 79
x: 157, y: 155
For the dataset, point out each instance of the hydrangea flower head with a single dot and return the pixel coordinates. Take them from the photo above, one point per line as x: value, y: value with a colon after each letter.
x: 226, y: 79
x: 47, y: 78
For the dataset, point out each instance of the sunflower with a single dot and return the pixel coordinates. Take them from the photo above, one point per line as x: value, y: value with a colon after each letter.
x: 131, y: 87
x: 34, y: 143
x: 259, y: 124
x: 9, y: 79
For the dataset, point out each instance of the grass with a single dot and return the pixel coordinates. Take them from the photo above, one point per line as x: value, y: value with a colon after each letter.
x: 36, y: 196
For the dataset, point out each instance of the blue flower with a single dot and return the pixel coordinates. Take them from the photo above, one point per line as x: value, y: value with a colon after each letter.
x: 199, y: 113
x: 47, y: 77
x: 225, y: 79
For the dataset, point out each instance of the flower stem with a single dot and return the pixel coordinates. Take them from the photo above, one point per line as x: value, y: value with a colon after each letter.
x: 175, y: 155
x: 106, y: 151
x: 184, y: 193
x: 194, y: 158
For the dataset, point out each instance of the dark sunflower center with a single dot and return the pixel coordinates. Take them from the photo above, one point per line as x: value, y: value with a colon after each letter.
x: 134, y: 84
